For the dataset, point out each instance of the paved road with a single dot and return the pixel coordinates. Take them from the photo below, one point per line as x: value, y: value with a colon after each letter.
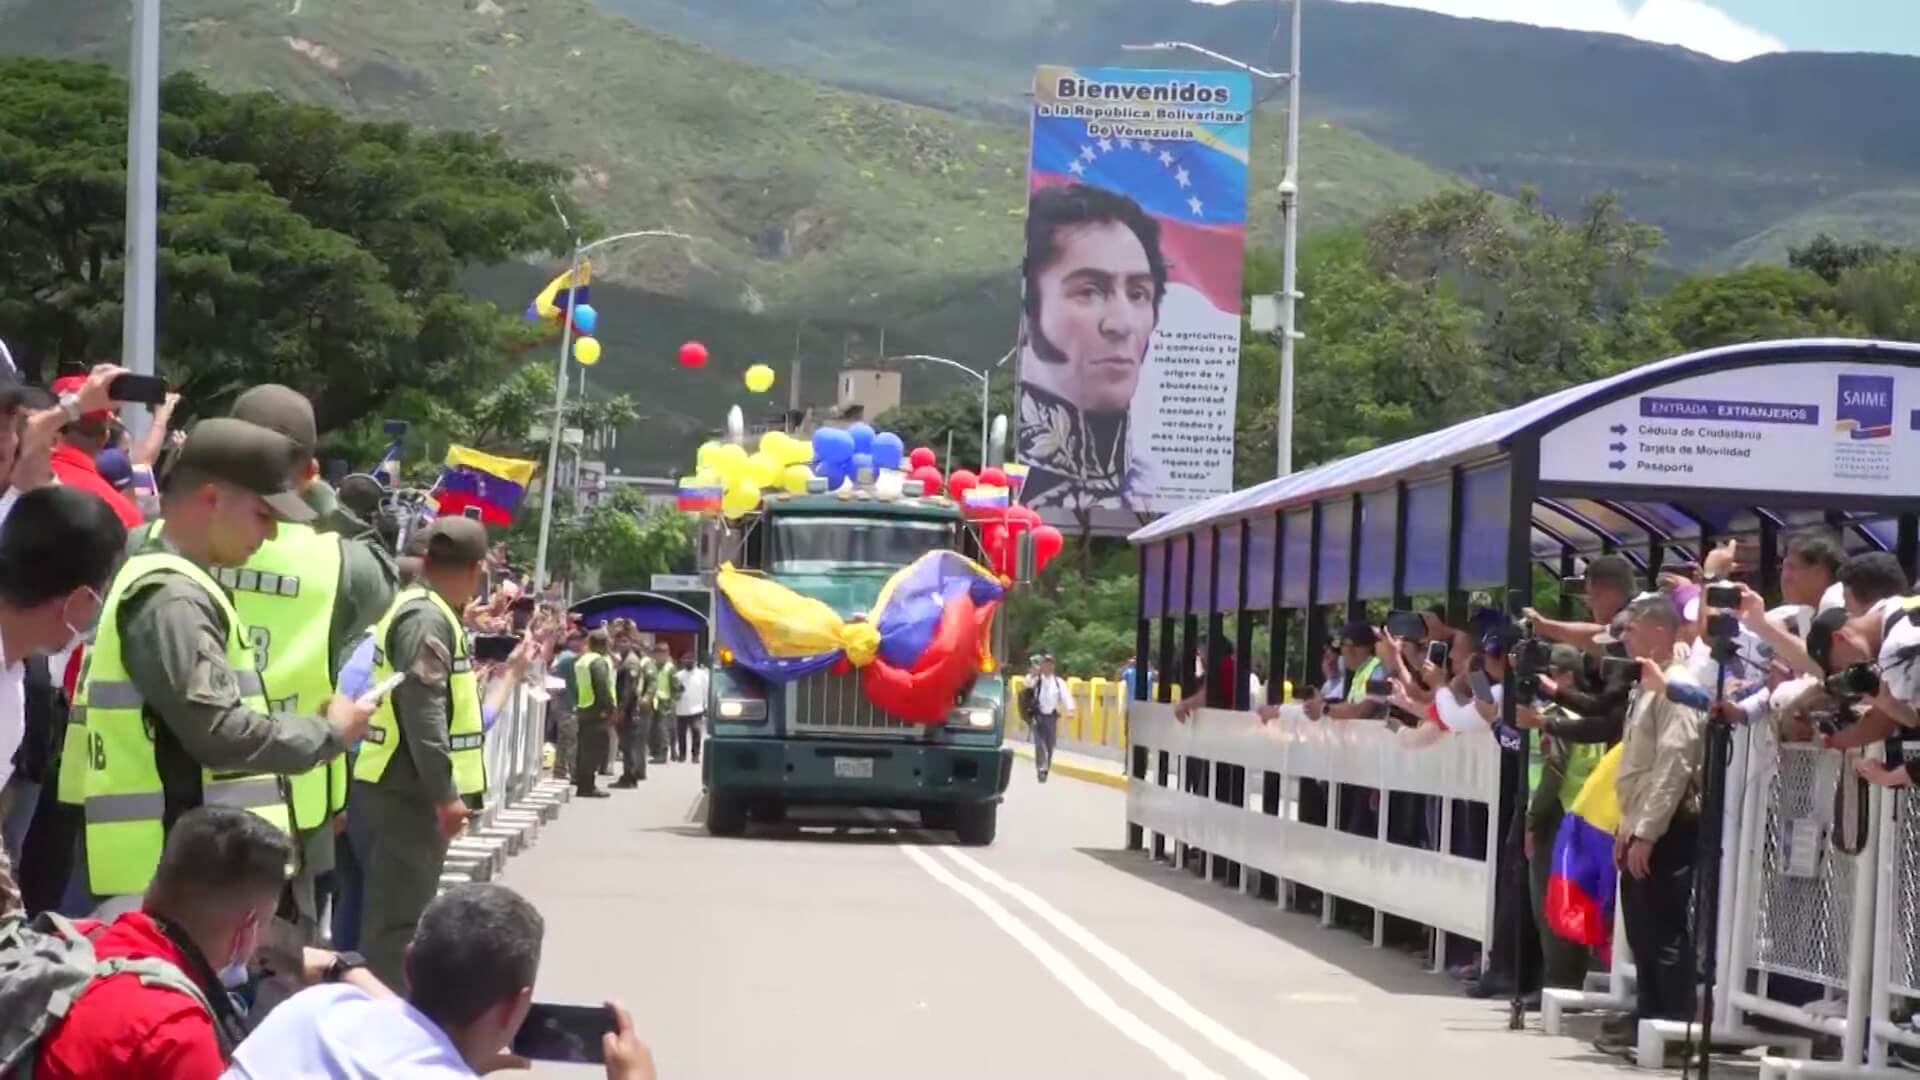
x: 865, y: 951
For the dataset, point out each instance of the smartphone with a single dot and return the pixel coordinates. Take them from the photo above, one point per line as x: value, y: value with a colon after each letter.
x: 493, y: 647
x: 1723, y: 596
x: 1482, y: 689
x: 472, y: 513
x: 138, y: 389
x: 378, y: 693
x: 1437, y: 653
x: 1624, y: 669
x: 1406, y: 624
x: 1380, y: 686
x: 568, y: 1033
x: 1574, y: 586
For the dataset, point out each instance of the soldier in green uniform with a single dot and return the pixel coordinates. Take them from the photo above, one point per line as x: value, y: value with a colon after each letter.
x: 184, y: 719
x: 306, y: 596
x: 660, y: 682
x: 422, y: 769
x: 594, y: 707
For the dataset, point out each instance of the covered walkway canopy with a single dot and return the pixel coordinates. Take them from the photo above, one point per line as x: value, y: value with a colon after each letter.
x: 1666, y: 459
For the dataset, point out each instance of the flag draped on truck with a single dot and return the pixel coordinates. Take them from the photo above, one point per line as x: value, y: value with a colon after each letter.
x: 925, y: 636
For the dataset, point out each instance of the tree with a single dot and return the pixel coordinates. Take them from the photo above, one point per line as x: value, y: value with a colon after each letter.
x: 1758, y: 303
x: 295, y: 246
x: 1883, y: 295
x: 958, y: 413
x: 1830, y: 259
x: 621, y: 537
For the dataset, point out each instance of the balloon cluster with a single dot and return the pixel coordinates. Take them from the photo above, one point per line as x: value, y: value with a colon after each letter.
x: 1001, y: 525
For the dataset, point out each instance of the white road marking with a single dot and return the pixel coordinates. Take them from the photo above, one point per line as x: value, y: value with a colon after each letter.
x: 1069, y: 974
x: 1254, y: 1057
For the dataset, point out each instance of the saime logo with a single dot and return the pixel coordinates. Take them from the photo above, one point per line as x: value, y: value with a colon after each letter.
x: 1865, y: 407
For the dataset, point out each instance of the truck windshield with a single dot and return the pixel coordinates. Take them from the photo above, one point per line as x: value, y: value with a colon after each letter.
x: 821, y: 545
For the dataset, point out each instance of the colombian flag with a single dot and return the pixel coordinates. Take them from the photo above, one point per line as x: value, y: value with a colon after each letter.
x: 494, y: 484
x: 1583, y: 881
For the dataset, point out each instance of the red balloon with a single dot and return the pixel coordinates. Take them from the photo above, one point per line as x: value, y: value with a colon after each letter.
x: 995, y: 540
x: 1047, y: 543
x: 1022, y: 518
x: 993, y: 477
x: 693, y: 355
x: 929, y: 477
x: 961, y: 482
x: 921, y: 458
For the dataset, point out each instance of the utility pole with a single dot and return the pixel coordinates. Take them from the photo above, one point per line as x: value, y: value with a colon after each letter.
x: 143, y: 200
x: 1289, y: 253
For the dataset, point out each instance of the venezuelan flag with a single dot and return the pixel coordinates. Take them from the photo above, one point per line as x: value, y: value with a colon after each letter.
x: 699, y: 494
x: 1583, y: 881
x: 552, y: 302
x: 494, y: 484
x: 987, y: 497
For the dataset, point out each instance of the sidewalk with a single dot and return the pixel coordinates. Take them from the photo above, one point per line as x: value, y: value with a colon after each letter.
x: 1094, y: 770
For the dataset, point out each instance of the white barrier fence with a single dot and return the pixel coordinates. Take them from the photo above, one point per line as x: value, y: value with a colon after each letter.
x: 518, y: 799
x: 1179, y: 792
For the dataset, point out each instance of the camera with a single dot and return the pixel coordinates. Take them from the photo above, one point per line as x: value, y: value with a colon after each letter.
x: 1853, y: 682
x: 1624, y: 670
x: 1530, y: 657
x: 1723, y: 596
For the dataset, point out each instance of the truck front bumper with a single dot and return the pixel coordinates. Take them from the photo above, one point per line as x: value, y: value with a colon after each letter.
x: 856, y: 773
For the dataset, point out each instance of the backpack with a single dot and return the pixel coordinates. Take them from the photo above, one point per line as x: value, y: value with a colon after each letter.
x: 45, y: 965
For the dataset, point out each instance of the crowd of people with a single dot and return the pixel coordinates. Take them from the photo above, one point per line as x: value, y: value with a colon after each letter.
x: 242, y: 720
x: 623, y: 702
x: 1649, y: 667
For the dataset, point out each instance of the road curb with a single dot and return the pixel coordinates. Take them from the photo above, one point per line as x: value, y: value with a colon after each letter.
x: 1078, y: 772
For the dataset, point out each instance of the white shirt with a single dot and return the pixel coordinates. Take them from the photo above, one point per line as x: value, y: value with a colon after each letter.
x: 1900, y: 661
x: 13, y: 712
x: 693, y: 692
x: 1052, y: 696
x: 343, y: 1033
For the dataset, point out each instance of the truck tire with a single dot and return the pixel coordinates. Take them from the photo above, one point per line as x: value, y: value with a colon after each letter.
x: 937, y: 818
x: 726, y: 815
x: 975, y: 826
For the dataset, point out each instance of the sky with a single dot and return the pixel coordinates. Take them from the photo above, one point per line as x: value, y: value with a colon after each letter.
x: 1727, y: 29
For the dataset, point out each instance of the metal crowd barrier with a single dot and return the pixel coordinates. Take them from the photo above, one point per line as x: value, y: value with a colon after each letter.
x: 1226, y: 784
x: 519, y: 799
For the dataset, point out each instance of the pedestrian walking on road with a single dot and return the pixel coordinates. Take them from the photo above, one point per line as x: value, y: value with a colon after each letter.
x: 689, y: 709
x: 1050, y: 699
x: 422, y: 770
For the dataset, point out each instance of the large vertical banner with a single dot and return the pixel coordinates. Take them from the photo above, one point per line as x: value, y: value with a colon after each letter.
x: 1130, y: 321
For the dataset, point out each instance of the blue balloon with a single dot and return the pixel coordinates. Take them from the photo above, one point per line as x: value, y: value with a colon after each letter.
x: 862, y: 467
x: 862, y: 437
x: 888, y: 450
x: 833, y: 472
x: 585, y: 318
x: 832, y: 446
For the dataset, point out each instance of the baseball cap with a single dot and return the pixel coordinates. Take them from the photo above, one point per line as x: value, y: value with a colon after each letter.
x: 247, y: 456
x: 114, y: 467
x: 282, y: 409
x: 72, y: 384
x: 457, y: 540
x: 1358, y: 633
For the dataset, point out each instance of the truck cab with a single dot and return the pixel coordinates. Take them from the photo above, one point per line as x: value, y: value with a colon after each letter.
x: 818, y: 740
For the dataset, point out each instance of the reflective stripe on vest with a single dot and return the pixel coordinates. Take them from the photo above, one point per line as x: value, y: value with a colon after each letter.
x: 583, y: 692
x: 285, y: 595
x: 465, y: 732
x: 124, y: 797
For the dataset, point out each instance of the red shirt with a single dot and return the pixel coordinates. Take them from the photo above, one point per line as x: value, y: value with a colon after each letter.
x: 75, y: 469
x: 121, y: 1029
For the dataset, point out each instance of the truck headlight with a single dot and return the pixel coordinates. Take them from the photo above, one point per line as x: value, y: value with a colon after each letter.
x: 975, y: 718
x: 749, y: 710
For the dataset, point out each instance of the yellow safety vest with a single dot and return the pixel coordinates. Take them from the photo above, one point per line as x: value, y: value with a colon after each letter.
x: 466, y: 734
x: 125, y: 800
x: 1357, y: 689
x: 285, y: 595
x: 583, y: 679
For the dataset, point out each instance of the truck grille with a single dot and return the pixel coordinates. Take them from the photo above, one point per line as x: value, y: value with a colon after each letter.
x: 834, y: 704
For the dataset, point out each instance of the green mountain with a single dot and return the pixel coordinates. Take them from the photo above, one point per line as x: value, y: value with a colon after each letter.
x: 805, y: 199
x: 1891, y: 218
x: 1710, y: 151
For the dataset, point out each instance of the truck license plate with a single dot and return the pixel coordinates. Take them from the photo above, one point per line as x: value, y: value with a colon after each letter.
x: 853, y: 768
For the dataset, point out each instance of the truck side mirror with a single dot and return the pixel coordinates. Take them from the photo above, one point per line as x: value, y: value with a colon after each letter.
x: 1023, y: 557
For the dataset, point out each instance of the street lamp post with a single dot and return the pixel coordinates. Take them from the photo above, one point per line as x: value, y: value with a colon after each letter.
x: 984, y: 378
x: 1290, y: 221
x: 580, y: 251
x: 143, y: 199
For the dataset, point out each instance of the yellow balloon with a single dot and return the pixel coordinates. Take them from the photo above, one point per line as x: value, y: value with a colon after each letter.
x: 740, y: 500
x: 730, y: 462
x: 707, y: 455
x: 763, y: 470
x: 587, y: 351
x: 759, y: 378
x: 796, y: 478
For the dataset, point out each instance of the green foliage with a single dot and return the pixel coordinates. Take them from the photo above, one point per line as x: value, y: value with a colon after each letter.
x: 1759, y: 303
x: 620, y: 538
x: 1086, y: 619
x: 294, y: 246
x: 1831, y: 258
x: 929, y: 423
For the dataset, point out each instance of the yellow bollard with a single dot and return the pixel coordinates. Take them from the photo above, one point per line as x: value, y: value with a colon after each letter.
x: 1015, y: 722
x: 1097, y: 711
x: 1079, y: 713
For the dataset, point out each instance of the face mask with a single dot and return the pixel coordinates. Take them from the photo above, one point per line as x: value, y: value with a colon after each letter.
x: 78, y: 634
x: 234, y: 975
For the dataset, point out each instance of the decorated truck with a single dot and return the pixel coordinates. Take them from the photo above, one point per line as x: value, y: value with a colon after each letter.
x: 856, y: 646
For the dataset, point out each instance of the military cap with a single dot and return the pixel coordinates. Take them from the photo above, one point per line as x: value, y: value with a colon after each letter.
x: 249, y: 457
x: 457, y: 540
x: 282, y: 409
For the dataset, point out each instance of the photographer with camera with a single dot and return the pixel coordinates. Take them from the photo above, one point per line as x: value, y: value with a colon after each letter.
x: 1659, y: 789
